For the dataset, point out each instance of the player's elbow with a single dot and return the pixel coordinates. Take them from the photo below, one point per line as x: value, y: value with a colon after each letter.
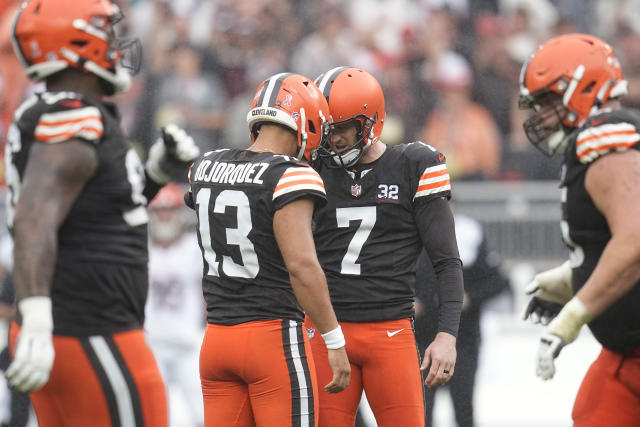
x: 303, y: 267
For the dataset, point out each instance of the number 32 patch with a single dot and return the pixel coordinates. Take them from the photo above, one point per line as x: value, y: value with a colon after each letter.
x: 387, y: 193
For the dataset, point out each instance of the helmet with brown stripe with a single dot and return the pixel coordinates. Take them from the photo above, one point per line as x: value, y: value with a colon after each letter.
x: 293, y: 101
x: 565, y: 80
x: 354, y: 96
x: 51, y: 35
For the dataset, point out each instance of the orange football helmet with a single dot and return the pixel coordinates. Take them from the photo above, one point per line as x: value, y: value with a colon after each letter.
x: 51, y: 35
x: 573, y: 75
x: 353, y: 95
x: 295, y: 102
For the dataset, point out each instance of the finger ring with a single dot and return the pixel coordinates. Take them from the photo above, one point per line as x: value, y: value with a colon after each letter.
x: 446, y: 372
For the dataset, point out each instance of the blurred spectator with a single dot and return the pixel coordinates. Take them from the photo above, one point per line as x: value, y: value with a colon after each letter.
x: 379, y: 25
x: 335, y: 40
x: 628, y: 49
x: 521, y: 160
x: 460, y: 128
x: 482, y: 281
x: 495, y: 75
x: 613, y: 14
x: 533, y: 18
x: 192, y: 99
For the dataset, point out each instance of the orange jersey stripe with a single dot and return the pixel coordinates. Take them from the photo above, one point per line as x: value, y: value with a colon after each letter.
x: 64, y: 122
x: 298, y: 182
x: 434, y: 174
x: 602, y: 135
x: 606, y: 147
x: 67, y: 135
x: 296, y: 173
x: 434, y: 185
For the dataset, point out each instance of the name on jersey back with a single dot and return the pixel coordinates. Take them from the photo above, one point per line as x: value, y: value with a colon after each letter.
x: 230, y: 173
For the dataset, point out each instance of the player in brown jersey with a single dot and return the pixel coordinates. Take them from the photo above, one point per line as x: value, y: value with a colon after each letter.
x: 254, y: 211
x: 76, y: 205
x: 384, y: 204
x: 573, y: 84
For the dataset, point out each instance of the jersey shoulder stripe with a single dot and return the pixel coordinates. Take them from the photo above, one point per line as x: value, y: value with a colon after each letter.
x: 434, y: 179
x: 58, y: 126
x: 597, y: 141
x: 298, y: 179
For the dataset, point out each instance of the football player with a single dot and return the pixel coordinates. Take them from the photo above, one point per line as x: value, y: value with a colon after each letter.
x: 254, y: 210
x: 76, y: 205
x: 384, y: 204
x: 573, y: 84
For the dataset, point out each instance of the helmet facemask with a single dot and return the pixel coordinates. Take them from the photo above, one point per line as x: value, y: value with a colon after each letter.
x: 351, y: 155
x: 545, y: 128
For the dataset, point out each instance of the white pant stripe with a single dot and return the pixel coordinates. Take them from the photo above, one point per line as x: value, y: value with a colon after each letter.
x: 303, y: 381
x: 116, y: 379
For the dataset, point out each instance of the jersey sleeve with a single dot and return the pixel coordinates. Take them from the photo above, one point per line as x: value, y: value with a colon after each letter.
x: 433, y: 180
x: 296, y: 182
x: 67, y: 119
x: 597, y: 140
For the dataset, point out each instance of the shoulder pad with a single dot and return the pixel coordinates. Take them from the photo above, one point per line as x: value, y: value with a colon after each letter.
x: 604, y: 133
x: 420, y: 152
x: 431, y: 168
x: 67, y: 116
x: 299, y: 178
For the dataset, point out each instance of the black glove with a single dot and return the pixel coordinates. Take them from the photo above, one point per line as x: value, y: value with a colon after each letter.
x: 549, y: 291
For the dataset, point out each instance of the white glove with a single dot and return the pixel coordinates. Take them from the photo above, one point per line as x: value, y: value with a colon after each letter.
x: 170, y: 156
x: 550, y: 290
x: 549, y: 349
x: 34, y: 353
x: 562, y: 330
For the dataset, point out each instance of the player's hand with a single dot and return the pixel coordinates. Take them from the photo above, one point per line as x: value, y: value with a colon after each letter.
x: 171, y: 155
x: 339, y: 363
x: 549, y: 291
x: 34, y: 353
x: 562, y: 330
x: 441, y: 356
x: 549, y: 349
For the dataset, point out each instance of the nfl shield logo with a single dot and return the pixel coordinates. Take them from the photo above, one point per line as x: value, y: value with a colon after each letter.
x: 356, y: 190
x: 311, y: 333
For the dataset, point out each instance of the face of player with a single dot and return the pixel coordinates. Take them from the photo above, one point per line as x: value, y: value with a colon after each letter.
x: 549, y: 111
x: 343, y: 136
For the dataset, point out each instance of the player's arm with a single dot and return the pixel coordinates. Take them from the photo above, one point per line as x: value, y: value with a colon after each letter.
x: 54, y: 176
x: 437, y: 230
x: 613, y: 182
x: 292, y: 229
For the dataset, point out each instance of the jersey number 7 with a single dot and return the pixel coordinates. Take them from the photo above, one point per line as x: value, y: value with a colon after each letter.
x: 367, y: 217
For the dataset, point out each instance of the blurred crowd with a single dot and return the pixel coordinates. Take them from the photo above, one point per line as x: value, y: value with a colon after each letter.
x: 449, y: 68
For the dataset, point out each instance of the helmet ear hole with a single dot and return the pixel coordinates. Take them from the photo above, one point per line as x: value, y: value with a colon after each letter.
x: 589, y: 87
x: 311, y: 126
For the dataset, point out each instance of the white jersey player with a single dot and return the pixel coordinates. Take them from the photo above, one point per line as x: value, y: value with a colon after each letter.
x: 175, y: 311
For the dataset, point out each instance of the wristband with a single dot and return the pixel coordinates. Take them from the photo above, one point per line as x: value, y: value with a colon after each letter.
x: 569, y: 321
x: 334, y: 339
